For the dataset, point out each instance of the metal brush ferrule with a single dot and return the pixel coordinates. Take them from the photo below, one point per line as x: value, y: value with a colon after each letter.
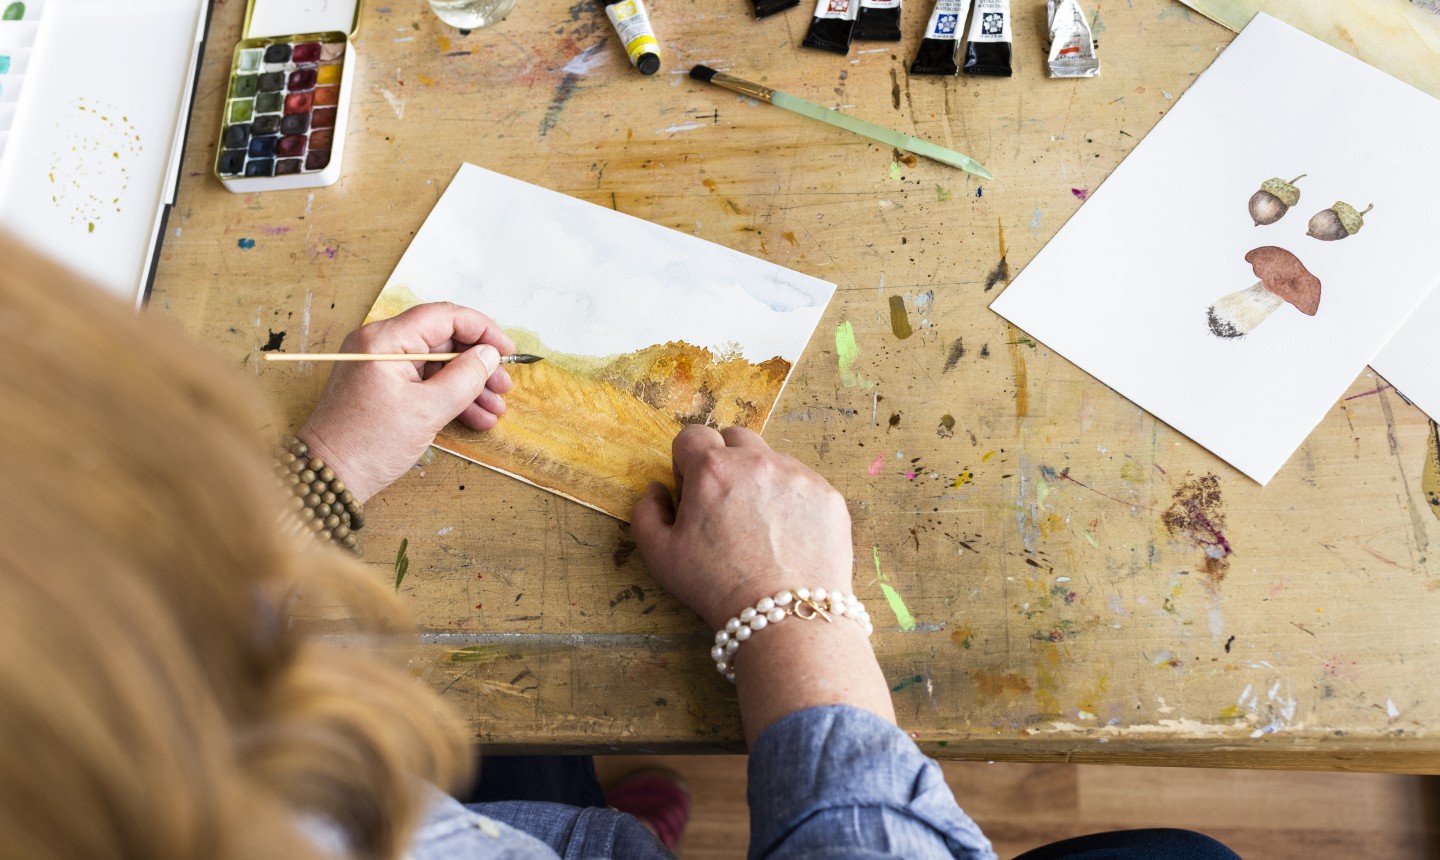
x: 743, y: 87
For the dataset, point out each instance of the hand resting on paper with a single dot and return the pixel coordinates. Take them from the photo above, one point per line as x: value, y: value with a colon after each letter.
x: 375, y: 418
x: 751, y: 522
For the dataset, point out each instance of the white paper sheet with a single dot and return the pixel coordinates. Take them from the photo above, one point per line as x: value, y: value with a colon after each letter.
x: 86, y: 165
x: 1410, y: 360
x: 1123, y: 290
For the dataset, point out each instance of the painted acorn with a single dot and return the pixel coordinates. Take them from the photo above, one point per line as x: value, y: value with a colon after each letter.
x: 1274, y: 199
x: 1337, y: 222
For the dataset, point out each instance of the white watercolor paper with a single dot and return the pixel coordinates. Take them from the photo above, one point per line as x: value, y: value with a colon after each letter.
x: 1125, y: 289
x: 1409, y: 360
x: 92, y: 153
x: 644, y: 329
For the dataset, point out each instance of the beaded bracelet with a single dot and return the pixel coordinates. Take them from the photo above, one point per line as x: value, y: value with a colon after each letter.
x: 320, y: 500
x: 802, y: 603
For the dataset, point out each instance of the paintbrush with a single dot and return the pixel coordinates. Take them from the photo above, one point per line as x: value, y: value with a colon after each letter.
x: 517, y: 358
x: 875, y: 132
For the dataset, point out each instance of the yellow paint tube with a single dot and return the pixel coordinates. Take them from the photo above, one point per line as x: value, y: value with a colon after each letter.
x: 633, y: 25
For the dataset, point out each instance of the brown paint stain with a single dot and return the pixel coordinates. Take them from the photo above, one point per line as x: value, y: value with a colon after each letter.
x: 899, y: 318
x: 444, y: 44
x: 1047, y: 681
x: 963, y: 637
x: 894, y: 89
x: 1001, y: 273
x: 1197, y: 515
x: 790, y: 237
x: 709, y: 183
x: 1022, y: 376
x: 1430, y: 477
x: 992, y: 685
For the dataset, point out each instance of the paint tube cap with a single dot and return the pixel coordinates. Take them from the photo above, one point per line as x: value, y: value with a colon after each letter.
x: 648, y: 63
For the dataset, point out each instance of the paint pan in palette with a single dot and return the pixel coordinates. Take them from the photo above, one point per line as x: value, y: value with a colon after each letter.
x: 288, y: 98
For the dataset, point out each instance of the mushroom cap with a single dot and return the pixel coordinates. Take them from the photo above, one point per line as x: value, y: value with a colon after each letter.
x: 1283, y: 274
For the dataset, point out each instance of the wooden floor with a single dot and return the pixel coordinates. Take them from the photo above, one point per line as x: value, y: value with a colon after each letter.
x: 1262, y: 815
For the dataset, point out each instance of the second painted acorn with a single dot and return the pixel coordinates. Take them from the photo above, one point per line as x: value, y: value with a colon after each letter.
x: 1337, y: 222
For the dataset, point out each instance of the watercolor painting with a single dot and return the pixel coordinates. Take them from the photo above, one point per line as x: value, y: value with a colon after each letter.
x: 1212, y: 317
x: 1274, y: 199
x: 1283, y: 278
x: 643, y: 330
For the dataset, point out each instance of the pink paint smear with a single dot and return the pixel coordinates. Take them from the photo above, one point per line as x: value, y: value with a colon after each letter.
x: 877, y: 465
x: 1080, y: 193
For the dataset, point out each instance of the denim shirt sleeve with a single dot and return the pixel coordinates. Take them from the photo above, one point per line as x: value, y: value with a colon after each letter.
x: 839, y: 782
x: 453, y: 832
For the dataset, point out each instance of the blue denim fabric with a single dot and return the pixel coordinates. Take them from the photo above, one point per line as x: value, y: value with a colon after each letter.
x: 839, y: 782
x: 831, y: 782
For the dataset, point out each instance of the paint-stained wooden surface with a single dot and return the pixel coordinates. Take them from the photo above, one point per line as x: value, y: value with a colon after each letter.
x: 1086, y: 583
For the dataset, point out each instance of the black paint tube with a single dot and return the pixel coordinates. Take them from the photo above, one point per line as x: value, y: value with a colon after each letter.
x: 942, y: 39
x: 879, y: 21
x: 770, y: 7
x: 833, y: 25
x: 989, y: 50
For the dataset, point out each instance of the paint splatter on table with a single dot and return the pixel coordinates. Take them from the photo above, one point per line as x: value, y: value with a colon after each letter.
x: 1054, y: 574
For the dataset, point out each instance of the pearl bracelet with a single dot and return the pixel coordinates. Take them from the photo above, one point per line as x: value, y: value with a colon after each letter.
x: 802, y: 603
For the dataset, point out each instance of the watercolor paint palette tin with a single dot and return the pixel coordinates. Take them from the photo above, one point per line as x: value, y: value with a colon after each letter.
x: 288, y: 96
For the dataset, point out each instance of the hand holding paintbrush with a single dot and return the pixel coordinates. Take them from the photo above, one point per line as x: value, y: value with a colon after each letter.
x: 389, y: 394
x: 517, y: 358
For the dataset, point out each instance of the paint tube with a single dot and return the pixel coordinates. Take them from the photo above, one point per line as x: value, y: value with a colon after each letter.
x: 833, y: 25
x: 942, y: 39
x: 989, y: 50
x: 633, y: 25
x: 770, y: 7
x: 1072, y: 48
x: 879, y: 21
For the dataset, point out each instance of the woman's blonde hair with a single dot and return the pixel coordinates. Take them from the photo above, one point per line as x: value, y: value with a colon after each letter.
x: 160, y: 696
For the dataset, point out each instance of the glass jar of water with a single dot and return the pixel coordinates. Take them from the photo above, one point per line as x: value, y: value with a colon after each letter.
x: 471, y: 14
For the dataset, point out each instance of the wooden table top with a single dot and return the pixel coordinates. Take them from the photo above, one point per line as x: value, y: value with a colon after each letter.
x: 1084, y: 582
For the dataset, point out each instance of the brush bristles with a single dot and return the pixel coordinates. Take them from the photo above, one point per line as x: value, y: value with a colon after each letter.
x: 703, y: 73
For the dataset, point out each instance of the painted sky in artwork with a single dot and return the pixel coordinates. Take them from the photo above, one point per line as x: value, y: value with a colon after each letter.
x: 592, y: 281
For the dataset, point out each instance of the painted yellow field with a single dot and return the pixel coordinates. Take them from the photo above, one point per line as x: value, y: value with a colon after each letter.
x: 604, y: 457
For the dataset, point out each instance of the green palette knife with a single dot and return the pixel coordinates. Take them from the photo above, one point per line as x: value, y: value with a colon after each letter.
x: 887, y: 136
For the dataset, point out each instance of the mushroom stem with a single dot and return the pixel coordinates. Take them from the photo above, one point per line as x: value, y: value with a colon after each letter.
x: 1237, y: 314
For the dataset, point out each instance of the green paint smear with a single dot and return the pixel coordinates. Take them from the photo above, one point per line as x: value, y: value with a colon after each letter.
x: 941, y: 194
x: 899, y: 318
x: 475, y: 654
x: 892, y: 597
x: 847, y: 350
x: 897, y: 606
x: 895, y: 170
x: 908, y: 682
x: 402, y: 563
x: 14, y: 12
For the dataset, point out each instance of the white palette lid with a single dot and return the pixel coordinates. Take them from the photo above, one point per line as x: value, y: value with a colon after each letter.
x: 264, y: 18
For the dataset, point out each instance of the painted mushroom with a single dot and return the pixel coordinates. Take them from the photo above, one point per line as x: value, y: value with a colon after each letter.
x: 1283, y: 278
